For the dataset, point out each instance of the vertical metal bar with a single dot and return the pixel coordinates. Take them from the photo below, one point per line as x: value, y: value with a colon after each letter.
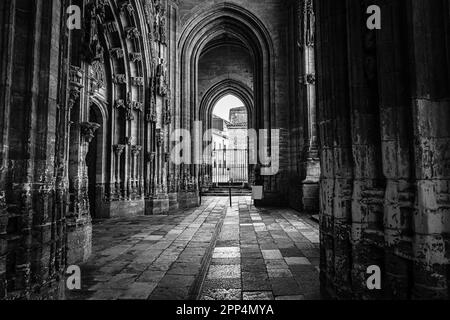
x: 231, y: 200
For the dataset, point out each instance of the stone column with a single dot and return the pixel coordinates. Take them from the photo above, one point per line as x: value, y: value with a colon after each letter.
x: 310, y: 183
x: 135, y: 151
x: 32, y: 49
x: 118, y: 151
x: 336, y: 150
x: 369, y: 183
x: 397, y: 149
x: 431, y: 113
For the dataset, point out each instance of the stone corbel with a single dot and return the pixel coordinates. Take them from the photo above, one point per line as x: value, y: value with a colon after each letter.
x: 88, y: 130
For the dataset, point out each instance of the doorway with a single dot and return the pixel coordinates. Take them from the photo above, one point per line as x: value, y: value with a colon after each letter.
x: 94, y: 164
x: 230, y: 142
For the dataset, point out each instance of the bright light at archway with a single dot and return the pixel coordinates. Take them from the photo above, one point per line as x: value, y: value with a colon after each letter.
x: 224, y: 105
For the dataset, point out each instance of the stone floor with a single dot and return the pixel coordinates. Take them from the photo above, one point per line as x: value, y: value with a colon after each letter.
x: 210, y: 253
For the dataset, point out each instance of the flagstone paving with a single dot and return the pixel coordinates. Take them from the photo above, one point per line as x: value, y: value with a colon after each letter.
x: 264, y: 254
x: 214, y: 252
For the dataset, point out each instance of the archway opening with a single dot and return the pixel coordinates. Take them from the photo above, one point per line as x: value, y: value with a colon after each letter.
x: 94, y: 163
x: 229, y: 126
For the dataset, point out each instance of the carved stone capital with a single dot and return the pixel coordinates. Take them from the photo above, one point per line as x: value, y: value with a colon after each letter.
x: 88, y: 130
x: 135, y: 150
x: 150, y: 157
x: 118, y: 149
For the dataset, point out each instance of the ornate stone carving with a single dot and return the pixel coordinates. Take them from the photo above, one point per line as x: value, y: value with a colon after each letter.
x: 163, y: 27
x: 97, y: 76
x: 135, y: 150
x: 92, y: 49
x: 120, y: 79
x: 168, y: 110
x: 75, y: 85
x: 151, y: 115
x: 88, y: 130
x: 135, y: 56
x: 310, y: 79
x: 118, y: 149
x: 127, y: 106
x: 161, y: 76
x: 116, y: 53
x: 128, y: 141
x: 159, y: 137
x: 132, y: 33
x: 126, y: 6
x: 137, y: 81
x: 160, y: 23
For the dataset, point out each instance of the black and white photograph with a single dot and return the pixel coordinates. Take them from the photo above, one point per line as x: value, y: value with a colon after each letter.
x: 247, y: 152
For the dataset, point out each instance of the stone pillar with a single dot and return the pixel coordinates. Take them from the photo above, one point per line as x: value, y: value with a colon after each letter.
x: 32, y: 46
x: 310, y: 184
x: 173, y: 103
x: 118, y: 189
x: 136, y: 185
x: 336, y: 181
x: 431, y: 111
x: 369, y: 183
x: 397, y: 149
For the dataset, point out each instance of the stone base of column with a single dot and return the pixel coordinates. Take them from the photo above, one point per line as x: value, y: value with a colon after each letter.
x: 310, y: 197
x: 79, y: 240
x: 188, y: 199
x: 124, y: 208
x: 174, y: 205
x: 310, y: 186
x: 159, y: 204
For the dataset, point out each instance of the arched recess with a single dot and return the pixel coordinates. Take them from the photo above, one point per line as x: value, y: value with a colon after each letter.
x: 213, y: 95
x: 220, y: 90
x: 119, y: 63
x: 235, y: 22
x: 96, y: 158
x: 244, y: 27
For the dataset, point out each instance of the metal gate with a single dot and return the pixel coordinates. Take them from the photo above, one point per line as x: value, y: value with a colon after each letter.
x: 229, y: 165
